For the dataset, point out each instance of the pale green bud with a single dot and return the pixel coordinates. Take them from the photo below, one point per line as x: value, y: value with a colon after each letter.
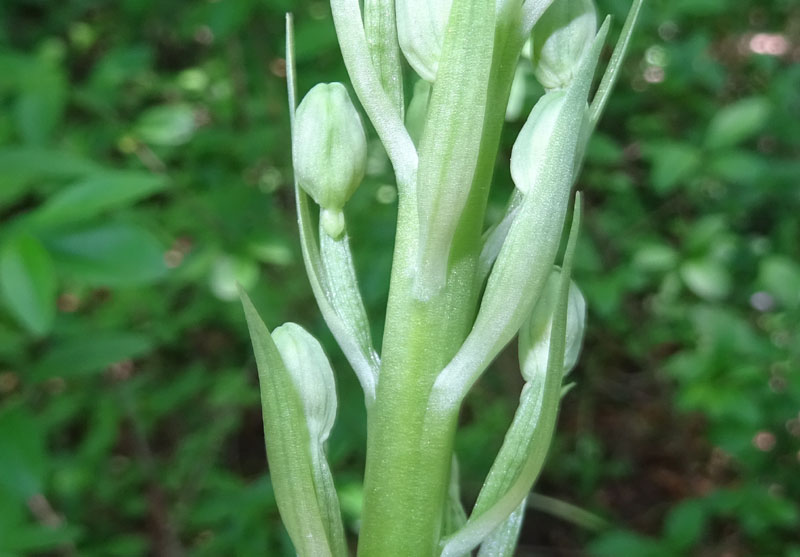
x: 329, y: 151
x: 421, y: 26
x: 311, y: 375
x: 534, y: 336
x: 560, y: 38
x: 528, y: 153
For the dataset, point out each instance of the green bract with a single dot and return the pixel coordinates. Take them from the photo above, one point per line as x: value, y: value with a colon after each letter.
x: 329, y: 150
x: 459, y: 292
x: 559, y: 40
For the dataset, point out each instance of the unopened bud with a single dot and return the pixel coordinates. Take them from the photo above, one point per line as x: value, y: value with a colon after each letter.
x: 421, y: 26
x: 312, y: 377
x: 560, y: 38
x: 329, y: 150
x: 534, y: 336
x: 529, y: 151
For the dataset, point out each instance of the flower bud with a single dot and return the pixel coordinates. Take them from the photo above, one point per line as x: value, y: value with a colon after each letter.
x: 420, y: 31
x: 329, y: 150
x: 312, y: 376
x: 560, y: 38
x: 534, y: 336
x: 528, y: 153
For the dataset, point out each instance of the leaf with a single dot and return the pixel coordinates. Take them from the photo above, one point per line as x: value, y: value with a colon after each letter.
x: 23, y: 459
x: 110, y: 255
x: 28, y: 283
x: 781, y: 277
x: 672, y: 163
x: 612, y: 72
x: 40, y: 104
x: 737, y: 122
x: 90, y: 353
x: 706, y: 278
x: 168, y: 125
x: 96, y: 194
x: 655, y: 258
x: 685, y: 523
x: 22, y: 167
x: 288, y: 444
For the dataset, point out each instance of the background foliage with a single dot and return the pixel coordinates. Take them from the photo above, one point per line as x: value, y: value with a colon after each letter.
x: 144, y: 169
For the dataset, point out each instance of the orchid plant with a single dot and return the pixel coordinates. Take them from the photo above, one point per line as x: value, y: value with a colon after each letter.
x: 460, y: 291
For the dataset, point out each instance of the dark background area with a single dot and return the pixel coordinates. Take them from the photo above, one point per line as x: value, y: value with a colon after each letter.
x: 145, y: 168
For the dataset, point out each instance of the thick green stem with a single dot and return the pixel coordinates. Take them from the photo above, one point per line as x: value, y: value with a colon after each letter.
x: 409, y: 455
x: 408, y: 464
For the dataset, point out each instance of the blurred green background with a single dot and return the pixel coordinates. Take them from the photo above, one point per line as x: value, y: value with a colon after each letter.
x: 144, y: 169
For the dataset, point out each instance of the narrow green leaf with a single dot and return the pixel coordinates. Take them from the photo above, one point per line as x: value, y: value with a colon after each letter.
x: 112, y: 255
x: 95, y: 195
x: 566, y: 511
x: 28, y: 283
x: 615, y: 64
x: 452, y: 136
x: 288, y: 443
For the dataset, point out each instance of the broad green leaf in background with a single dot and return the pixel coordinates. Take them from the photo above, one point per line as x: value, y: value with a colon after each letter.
x: 117, y: 254
x: 780, y: 275
x: 22, y: 167
x: 23, y: 459
x: 737, y: 122
x: 90, y: 353
x: 28, y: 283
x: 168, y: 125
x: 672, y: 164
x: 40, y: 101
x: 707, y: 278
x: 96, y: 194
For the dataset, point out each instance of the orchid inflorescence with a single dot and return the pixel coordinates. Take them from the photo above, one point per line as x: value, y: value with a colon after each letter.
x: 459, y: 291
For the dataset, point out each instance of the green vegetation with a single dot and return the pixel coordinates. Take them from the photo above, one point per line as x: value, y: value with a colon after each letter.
x: 145, y: 169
